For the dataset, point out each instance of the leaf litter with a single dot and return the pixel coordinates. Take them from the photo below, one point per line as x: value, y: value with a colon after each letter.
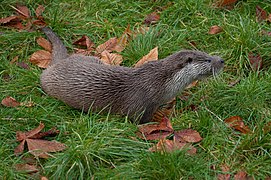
x: 36, y: 145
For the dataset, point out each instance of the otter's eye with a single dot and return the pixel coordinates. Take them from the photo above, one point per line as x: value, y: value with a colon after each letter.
x: 208, y: 60
x: 189, y: 60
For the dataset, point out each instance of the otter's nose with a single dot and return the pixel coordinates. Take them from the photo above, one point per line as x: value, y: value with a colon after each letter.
x: 222, y: 61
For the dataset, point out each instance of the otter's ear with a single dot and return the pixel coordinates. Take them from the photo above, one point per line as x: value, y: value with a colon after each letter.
x: 189, y: 60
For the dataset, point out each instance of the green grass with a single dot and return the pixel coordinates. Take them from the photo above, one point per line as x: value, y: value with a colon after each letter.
x: 104, y: 146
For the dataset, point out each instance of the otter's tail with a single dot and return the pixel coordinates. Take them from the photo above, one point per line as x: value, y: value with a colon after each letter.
x: 59, y: 51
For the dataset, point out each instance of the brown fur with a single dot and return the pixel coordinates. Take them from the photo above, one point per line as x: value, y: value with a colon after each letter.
x: 83, y: 81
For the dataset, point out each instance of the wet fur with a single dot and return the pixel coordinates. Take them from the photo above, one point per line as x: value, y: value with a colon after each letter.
x: 84, y: 81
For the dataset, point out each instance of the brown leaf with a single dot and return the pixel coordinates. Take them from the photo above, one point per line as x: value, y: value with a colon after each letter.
x: 39, y: 10
x: 44, y: 43
x: 166, y: 145
x: 41, y: 58
x: 222, y: 3
x: 108, y: 45
x: 15, y: 59
x: 152, y: 18
x: 261, y: 14
x: 43, y: 178
x: 22, y: 65
x: 215, y: 29
x: 164, y: 111
x: 156, y: 131
x: 85, y: 41
x: 27, y: 168
x: 225, y: 176
x: 241, y: 175
x: 236, y: 122
x: 193, y: 84
x: 8, y: 19
x: 151, y: 56
x: 187, y: 135
x: 10, y: 102
x: 22, y: 10
x: 35, y: 131
x: 41, y: 148
x: 20, y: 148
x: 50, y: 133
x: 39, y: 22
x: 111, y: 58
x: 256, y: 61
x: 123, y: 40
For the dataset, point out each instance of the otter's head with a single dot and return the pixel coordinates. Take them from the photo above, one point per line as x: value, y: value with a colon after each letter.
x: 197, y: 64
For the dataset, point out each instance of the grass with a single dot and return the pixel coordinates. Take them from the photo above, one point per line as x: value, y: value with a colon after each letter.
x: 104, y: 146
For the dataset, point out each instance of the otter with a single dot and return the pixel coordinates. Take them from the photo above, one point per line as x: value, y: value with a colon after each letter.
x: 84, y: 82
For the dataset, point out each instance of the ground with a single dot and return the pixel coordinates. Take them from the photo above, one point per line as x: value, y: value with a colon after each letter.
x: 106, y: 146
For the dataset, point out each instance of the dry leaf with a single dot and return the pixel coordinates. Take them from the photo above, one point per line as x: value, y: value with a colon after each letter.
x: 225, y: 169
x: 193, y: 84
x: 43, y: 178
x: 187, y: 135
x: 164, y: 111
x: 10, y: 102
x: 215, y: 29
x: 111, y: 58
x: 14, y: 60
x: 166, y: 145
x: 236, y: 122
x: 86, y: 42
x: 123, y: 40
x: 108, y: 45
x: 41, y: 148
x: 39, y: 10
x: 256, y: 61
x: 41, y: 58
x: 241, y: 175
x: 27, y: 168
x: 22, y: 10
x: 44, y: 43
x: 152, y: 18
x: 222, y: 3
x: 151, y: 56
x: 38, y: 147
x: 155, y: 131
x: 8, y: 19
x: 261, y: 15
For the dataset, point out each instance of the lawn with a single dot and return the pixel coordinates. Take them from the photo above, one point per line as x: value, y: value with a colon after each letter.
x: 105, y: 146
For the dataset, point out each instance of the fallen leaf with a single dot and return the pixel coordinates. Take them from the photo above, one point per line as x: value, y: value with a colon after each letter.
x: 86, y: 42
x: 256, y: 61
x: 222, y: 3
x: 225, y: 176
x: 155, y: 131
x: 8, y: 19
x: 151, y: 56
x: 41, y: 58
x: 166, y: 145
x: 261, y: 14
x: 15, y: 23
x: 241, y: 175
x: 22, y: 65
x: 193, y: 84
x: 233, y: 83
x: 123, y: 40
x: 27, y: 168
x: 111, y: 58
x: 22, y: 10
x: 44, y: 43
x: 164, y: 111
x: 10, y: 102
x: 39, y: 10
x: 187, y: 135
x: 43, y: 178
x: 38, y: 147
x: 108, y: 45
x: 41, y: 148
x: 236, y: 122
x: 14, y: 60
x: 215, y: 29
x: 39, y: 22
x: 152, y: 18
